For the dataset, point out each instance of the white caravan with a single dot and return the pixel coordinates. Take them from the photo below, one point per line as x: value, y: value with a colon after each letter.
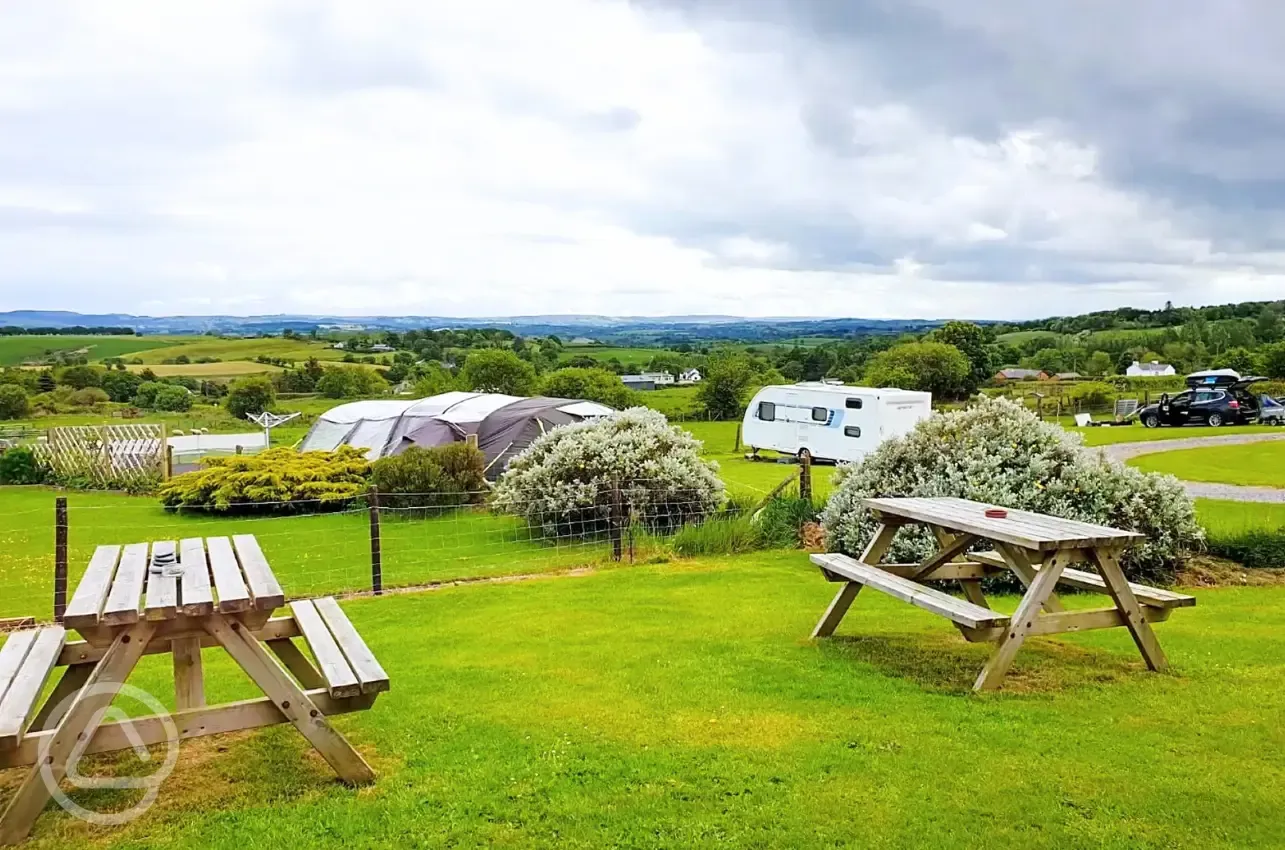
x: 830, y: 421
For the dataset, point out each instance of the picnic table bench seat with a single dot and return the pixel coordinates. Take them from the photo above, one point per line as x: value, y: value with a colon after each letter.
x: 347, y: 665
x: 961, y: 611
x: 26, y: 661
x: 1154, y: 597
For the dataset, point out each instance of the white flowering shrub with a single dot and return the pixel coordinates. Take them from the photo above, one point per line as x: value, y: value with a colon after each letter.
x: 567, y: 480
x: 1000, y: 452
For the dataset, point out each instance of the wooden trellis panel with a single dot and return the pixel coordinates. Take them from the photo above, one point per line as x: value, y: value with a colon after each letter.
x: 106, y: 455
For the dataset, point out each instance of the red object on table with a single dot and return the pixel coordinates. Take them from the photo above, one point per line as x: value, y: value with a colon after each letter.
x: 996, y: 513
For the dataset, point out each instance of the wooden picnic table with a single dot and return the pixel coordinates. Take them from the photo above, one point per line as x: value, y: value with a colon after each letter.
x: 1038, y: 549
x: 225, y: 597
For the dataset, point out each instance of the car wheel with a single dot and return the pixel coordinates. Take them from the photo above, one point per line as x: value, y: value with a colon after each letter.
x: 1215, y: 420
x: 1151, y: 421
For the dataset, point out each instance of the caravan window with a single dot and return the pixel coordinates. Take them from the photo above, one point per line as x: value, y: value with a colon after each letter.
x: 851, y: 431
x: 853, y: 404
x: 820, y: 414
x: 767, y: 411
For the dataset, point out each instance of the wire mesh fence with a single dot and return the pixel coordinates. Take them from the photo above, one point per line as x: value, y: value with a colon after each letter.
x: 371, y: 544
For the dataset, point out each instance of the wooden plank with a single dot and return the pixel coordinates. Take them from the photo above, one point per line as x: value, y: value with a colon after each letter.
x: 1153, y: 596
x: 58, y: 702
x: 123, y: 599
x: 1073, y: 621
x: 234, y: 596
x: 838, y: 607
x: 1022, y: 567
x: 83, y: 652
x: 341, y: 679
x: 298, y: 664
x: 162, y: 590
x: 12, y: 654
x: 263, y: 585
x: 87, y: 602
x: 953, y: 571
x: 192, y: 723
x: 195, y: 596
x: 369, y: 671
x: 1021, y: 528
x: 958, y: 610
x: 80, y: 723
x: 291, y: 700
x: 189, y: 673
x: 950, y: 549
x: 1120, y: 592
x: 1020, y: 625
x: 19, y: 700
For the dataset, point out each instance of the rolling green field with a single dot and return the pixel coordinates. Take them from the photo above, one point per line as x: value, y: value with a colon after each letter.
x: 637, y: 358
x: 1136, y: 433
x: 222, y: 369
x: 16, y: 350
x: 535, y: 715
x: 1255, y: 464
x: 243, y: 349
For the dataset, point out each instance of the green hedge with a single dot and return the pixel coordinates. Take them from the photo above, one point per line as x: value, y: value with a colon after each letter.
x: 278, y: 480
x: 1260, y: 548
x: 443, y: 476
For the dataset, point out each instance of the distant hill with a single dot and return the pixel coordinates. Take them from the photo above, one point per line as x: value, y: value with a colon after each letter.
x: 674, y: 328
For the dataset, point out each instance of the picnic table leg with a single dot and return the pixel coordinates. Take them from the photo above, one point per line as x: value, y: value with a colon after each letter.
x: 73, y: 679
x: 1025, y: 572
x: 972, y: 587
x: 290, y: 699
x: 189, y: 676
x: 1108, y: 565
x: 874, y: 553
x: 1020, y: 624
x: 79, y: 725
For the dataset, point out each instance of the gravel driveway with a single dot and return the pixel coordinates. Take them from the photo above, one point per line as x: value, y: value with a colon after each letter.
x: 1198, y: 489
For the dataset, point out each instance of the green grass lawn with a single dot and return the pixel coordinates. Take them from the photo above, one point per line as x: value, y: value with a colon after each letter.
x: 324, y: 553
x: 628, y: 356
x: 1259, y: 464
x: 1136, y: 433
x: 683, y: 705
x: 1224, y: 519
x: 15, y: 350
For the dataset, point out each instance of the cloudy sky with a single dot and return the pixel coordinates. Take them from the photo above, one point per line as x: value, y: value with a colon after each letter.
x: 880, y: 158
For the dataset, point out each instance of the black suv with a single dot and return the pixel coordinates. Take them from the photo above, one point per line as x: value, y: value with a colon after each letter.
x: 1220, y: 397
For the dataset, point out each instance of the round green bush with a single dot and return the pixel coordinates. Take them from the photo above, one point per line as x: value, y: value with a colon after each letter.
x: 1001, y: 453
x: 567, y: 481
x: 14, y: 403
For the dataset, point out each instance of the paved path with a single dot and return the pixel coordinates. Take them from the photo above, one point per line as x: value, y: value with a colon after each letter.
x: 1200, y: 489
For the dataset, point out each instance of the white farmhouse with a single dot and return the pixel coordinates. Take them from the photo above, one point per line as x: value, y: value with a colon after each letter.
x: 689, y: 376
x: 1154, y: 369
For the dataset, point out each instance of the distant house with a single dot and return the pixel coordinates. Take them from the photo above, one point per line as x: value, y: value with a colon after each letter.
x: 689, y: 376
x: 638, y: 382
x: 583, y: 340
x: 1006, y: 375
x: 382, y: 348
x: 660, y: 379
x: 1154, y: 369
x: 1067, y: 376
x: 338, y: 345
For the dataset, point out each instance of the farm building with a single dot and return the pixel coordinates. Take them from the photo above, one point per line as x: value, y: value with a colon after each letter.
x: 1005, y: 375
x: 503, y: 424
x: 1154, y: 369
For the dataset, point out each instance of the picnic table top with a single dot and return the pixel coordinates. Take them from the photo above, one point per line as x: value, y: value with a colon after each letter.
x: 1025, y: 529
x: 227, y: 575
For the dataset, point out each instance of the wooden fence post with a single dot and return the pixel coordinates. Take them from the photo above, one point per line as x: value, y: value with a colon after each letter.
x: 376, y: 556
x: 169, y: 461
x: 805, y: 476
x: 615, y: 524
x: 738, y: 437
x: 60, y: 557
